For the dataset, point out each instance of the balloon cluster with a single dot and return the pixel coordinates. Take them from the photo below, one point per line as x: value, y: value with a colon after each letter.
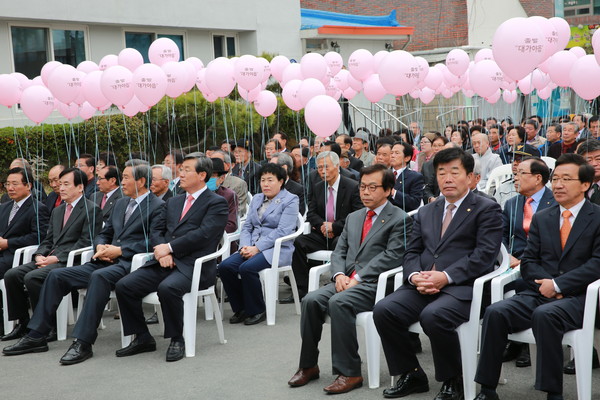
x: 526, y: 53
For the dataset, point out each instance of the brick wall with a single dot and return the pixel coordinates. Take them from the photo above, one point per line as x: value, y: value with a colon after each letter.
x: 537, y: 7
x: 439, y: 23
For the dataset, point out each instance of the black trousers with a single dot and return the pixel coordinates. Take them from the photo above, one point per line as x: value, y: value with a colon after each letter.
x: 303, y: 245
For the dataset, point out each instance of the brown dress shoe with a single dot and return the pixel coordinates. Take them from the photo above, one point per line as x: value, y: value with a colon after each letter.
x: 343, y: 384
x: 303, y: 376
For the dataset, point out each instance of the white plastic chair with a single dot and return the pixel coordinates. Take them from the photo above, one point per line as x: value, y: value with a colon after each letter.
x: 22, y: 256
x: 497, y: 176
x: 550, y: 162
x: 468, y: 332
x: 580, y: 340
x: 190, y: 300
x: 319, y: 255
x: 364, y: 320
x: 269, y: 277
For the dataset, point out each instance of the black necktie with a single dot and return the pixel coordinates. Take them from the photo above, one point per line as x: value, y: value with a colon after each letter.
x: 595, y: 197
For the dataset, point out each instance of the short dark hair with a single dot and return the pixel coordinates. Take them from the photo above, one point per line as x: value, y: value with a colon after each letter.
x: 108, y: 157
x: 532, y: 122
x: 537, y: 118
x: 140, y: 169
x: 303, y: 150
x: 310, y: 140
x: 271, y: 168
x: 113, y: 172
x: 586, y: 171
x: 79, y: 178
x: 557, y: 127
x: 203, y: 164
x: 407, y: 149
x: 508, y: 120
x: 564, y: 118
x: 588, y: 146
x: 384, y: 140
x: 282, y: 134
x: 347, y: 139
x: 520, y: 132
x: 445, y: 156
x: 442, y: 138
x: 492, y: 119
x: 593, y: 119
x: 213, y: 148
x: 583, y: 118
x: 138, y: 155
x: 89, y: 160
x: 538, y: 166
x: 275, y: 142
x: 333, y: 146
x: 385, y: 144
x: 478, y: 128
x: 499, y: 127
x: 387, y: 176
x: 178, y: 156
x: 26, y: 175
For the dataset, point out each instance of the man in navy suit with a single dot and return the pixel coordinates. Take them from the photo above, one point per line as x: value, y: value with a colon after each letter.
x: 124, y: 235
x: 190, y: 226
x: 454, y: 241
x: 109, y: 191
x: 561, y: 258
x: 53, y: 200
x: 408, y: 190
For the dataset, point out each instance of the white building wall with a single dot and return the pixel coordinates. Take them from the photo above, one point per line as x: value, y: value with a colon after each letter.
x: 485, y: 16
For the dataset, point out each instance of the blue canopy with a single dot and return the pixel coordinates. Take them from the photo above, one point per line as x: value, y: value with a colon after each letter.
x: 314, y: 19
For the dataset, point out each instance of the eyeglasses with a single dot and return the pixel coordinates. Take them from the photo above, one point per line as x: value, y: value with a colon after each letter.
x: 520, y: 173
x: 370, y: 188
x: 556, y: 179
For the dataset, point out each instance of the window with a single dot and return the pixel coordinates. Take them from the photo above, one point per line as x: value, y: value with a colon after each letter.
x: 224, y: 46
x: 141, y: 41
x: 575, y: 8
x: 35, y: 46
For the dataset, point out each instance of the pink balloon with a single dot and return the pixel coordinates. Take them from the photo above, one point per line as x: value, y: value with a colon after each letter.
x: 550, y: 35
x: 310, y: 88
x: 484, y: 54
x: 427, y: 95
x: 447, y: 93
x: 92, y: 91
x: 509, y: 96
x: 190, y: 76
x: 149, y: 84
x: 163, y: 50
x: 108, y: 61
x: 37, y: 81
x: 361, y: 64
x: 559, y: 68
x: 47, y: 70
x: 525, y: 85
x: 518, y: 47
x: 133, y: 107
x: 415, y: 94
x: 130, y: 59
x: 583, y: 70
x: 290, y: 94
x: 196, y: 62
x: 248, y: 72
x: 468, y: 92
x: 249, y: 95
x: 334, y: 62
x: 323, y: 115
x: 494, y: 97
x: 210, y: 97
x: 332, y: 90
x: 423, y: 68
x: 24, y: 81
x: 69, y: 111
x: 544, y: 93
x: 219, y: 77
x: 116, y: 85
x: 266, y: 68
x: 37, y: 103
x: 349, y: 93
x: 378, y: 58
x: 105, y: 107
x: 313, y: 65
x: 87, y: 67
x: 563, y: 29
x: 291, y: 72
x: 578, y: 51
x: 354, y: 83
x: 10, y: 90
x: 341, y: 79
x: 508, y: 85
x: 201, y: 81
x: 434, y: 78
x: 177, y: 76
x: 457, y: 61
x: 399, y: 73
x: 449, y: 78
x: 485, y: 78
x: 87, y: 111
x: 539, y: 80
x: 373, y: 89
x: 65, y: 83
x: 265, y: 103
x: 278, y: 65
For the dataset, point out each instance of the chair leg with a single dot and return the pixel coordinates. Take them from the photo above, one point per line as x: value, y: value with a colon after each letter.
x: 189, y: 324
x: 373, y: 348
x: 208, y: 309
x: 70, y: 317
x: 583, y: 366
x: 294, y: 286
x: 271, y: 295
x: 8, y: 324
x: 62, y: 318
x: 468, y: 350
x: 212, y: 298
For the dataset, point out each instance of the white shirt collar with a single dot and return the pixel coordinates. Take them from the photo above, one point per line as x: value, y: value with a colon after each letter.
x: 456, y: 203
x: 111, y: 192
x: 336, y: 184
x: 399, y: 171
x: 20, y: 203
x: 197, y: 194
x: 379, y: 209
x: 141, y: 197
x: 574, y: 210
x: 74, y: 203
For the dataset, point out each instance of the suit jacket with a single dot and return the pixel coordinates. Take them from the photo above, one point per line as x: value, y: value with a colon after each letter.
x: 91, y: 188
x: 431, y: 188
x: 249, y: 174
x: 467, y: 250
x: 110, y: 202
x: 382, y: 249
x: 167, y: 195
x: 83, y: 225
x: 557, y: 149
x: 348, y: 200
x: 295, y: 188
x: 232, y: 205
x: 28, y: 227
x: 134, y: 236
x: 197, y: 234
x: 50, y: 201
x: 240, y: 187
x: 279, y: 219
x: 409, y: 190
x: 355, y: 163
x: 514, y: 237
x: 572, y: 268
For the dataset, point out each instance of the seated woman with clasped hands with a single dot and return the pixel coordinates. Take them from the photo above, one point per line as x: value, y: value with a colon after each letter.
x: 271, y: 215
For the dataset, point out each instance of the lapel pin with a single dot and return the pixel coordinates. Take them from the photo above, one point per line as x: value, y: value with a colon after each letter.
x: 468, y: 209
x: 382, y: 221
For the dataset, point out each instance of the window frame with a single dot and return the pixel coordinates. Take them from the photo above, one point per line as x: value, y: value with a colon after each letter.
x: 157, y: 32
x: 225, y: 35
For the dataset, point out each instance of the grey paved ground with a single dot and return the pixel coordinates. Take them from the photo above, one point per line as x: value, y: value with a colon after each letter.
x: 256, y: 363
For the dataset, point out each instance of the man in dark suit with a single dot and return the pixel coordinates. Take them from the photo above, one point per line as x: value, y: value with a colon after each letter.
x: 215, y: 184
x: 590, y: 151
x: 245, y: 167
x: 125, y: 234
x: 109, y: 190
x: 189, y: 227
x: 560, y: 260
x: 23, y: 221
x: 314, y: 175
x: 87, y: 164
x: 173, y: 160
x: 372, y: 241
x: 287, y: 162
x: 53, y: 200
x: 73, y: 225
x: 408, y: 190
x: 161, y: 176
x: 454, y: 241
x: 333, y: 197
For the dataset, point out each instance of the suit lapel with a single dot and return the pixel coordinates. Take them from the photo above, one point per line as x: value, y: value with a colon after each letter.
x: 438, y: 214
x: 377, y: 224
x: 581, y: 222
x: 273, y: 205
x: 195, y: 207
x: 74, y: 214
x: 463, y: 212
x: 553, y: 225
x: 341, y: 195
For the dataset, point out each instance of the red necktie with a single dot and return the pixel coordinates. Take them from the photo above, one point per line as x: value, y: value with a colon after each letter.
x: 367, y: 225
x: 58, y: 201
x: 103, y: 202
x: 188, y: 205
x: 395, y: 175
x: 565, y: 229
x: 527, y: 215
x: 67, y: 214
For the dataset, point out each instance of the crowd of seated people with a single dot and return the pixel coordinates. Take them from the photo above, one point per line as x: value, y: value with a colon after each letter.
x: 356, y: 194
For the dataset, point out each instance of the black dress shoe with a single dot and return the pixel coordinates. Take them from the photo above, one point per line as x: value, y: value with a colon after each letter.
x: 176, y: 351
x: 524, y: 359
x: 512, y: 351
x: 290, y: 299
x: 569, y: 367
x: 286, y: 280
x: 26, y: 345
x: 137, y: 347
x: 255, y: 319
x: 152, y: 320
x: 18, y: 332
x: 78, y: 352
x: 410, y: 382
x: 452, y: 389
x: 489, y: 396
x: 52, y: 336
x: 238, y: 317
